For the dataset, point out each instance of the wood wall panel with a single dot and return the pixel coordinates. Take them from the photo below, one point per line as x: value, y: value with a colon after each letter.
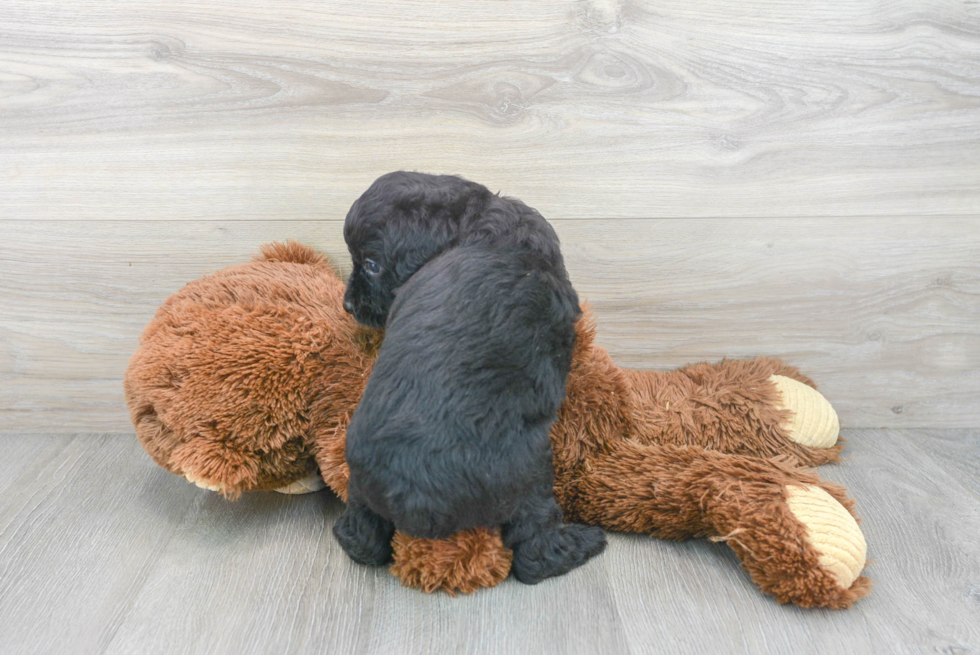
x: 884, y: 313
x: 586, y: 109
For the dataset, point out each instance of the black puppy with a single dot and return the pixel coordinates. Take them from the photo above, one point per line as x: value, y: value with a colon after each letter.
x: 452, y: 431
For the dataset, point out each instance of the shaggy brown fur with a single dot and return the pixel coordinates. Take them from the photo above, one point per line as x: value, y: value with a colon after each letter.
x: 246, y: 379
x: 471, y: 559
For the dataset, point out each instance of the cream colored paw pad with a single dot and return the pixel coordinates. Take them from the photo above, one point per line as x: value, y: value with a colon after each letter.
x: 814, y: 422
x: 307, y: 485
x: 202, y: 483
x: 832, y: 532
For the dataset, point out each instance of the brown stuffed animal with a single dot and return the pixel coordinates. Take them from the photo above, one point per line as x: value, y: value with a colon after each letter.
x: 246, y: 380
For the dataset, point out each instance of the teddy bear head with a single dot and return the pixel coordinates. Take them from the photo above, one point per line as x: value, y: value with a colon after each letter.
x: 227, y: 388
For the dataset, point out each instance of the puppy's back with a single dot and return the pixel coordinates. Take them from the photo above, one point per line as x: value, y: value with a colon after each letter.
x: 452, y: 430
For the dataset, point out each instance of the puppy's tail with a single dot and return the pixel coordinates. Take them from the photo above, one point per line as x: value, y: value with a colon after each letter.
x: 292, y: 252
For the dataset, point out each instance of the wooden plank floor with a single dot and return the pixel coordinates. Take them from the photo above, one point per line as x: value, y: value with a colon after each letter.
x: 103, y: 552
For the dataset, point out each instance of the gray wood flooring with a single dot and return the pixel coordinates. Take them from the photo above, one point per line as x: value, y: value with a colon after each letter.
x: 103, y: 552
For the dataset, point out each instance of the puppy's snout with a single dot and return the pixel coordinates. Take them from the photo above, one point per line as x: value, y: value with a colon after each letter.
x: 348, y: 306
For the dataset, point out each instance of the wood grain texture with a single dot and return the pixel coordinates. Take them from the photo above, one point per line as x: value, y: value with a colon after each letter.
x: 18, y: 453
x: 80, y: 529
x: 586, y: 109
x: 957, y: 452
x: 884, y: 313
x: 920, y: 525
x: 103, y: 552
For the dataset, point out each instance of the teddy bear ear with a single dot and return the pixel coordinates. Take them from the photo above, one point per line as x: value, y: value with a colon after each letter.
x: 216, y: 465
x: 292, y: 252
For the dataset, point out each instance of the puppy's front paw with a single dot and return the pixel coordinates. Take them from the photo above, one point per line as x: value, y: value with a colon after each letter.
x: 364, y: 536
x: 556, y: 551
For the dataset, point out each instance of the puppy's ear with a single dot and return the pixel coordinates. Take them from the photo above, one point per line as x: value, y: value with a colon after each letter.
x: 411, y: 260
x: 412, y: 243
x: 431, y: 219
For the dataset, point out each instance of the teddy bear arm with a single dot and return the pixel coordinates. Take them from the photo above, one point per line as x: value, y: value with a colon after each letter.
x: 758, y: 407
x: 795, y: 535
x: 462, y: 563
x: 329, y: 438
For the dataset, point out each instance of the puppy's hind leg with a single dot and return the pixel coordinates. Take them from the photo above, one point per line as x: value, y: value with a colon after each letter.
x: 364, y: 535
x: 544, y: 546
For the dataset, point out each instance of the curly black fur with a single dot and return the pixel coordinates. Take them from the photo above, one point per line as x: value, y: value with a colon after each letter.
x: 452, y: 431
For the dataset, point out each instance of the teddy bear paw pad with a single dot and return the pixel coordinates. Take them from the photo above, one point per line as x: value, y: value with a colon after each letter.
x: 831, y: 530
x: 813, y: 422
x: 309, y: 484
x: 202, y: 483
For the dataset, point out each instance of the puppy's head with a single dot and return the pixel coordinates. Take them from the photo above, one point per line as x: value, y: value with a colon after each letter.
x: 401, y: 222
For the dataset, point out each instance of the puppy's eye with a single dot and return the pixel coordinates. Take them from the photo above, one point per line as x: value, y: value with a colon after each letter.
x: 371, y: 266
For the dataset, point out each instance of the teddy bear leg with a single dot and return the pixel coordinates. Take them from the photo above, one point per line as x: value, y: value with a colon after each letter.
x: 810, y: 552
x: 545, y: 547
x: 795, y: 535
x: 811, y: 420
x: 364, y: 535
x: 758, y: 407
x: 831, y: 529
